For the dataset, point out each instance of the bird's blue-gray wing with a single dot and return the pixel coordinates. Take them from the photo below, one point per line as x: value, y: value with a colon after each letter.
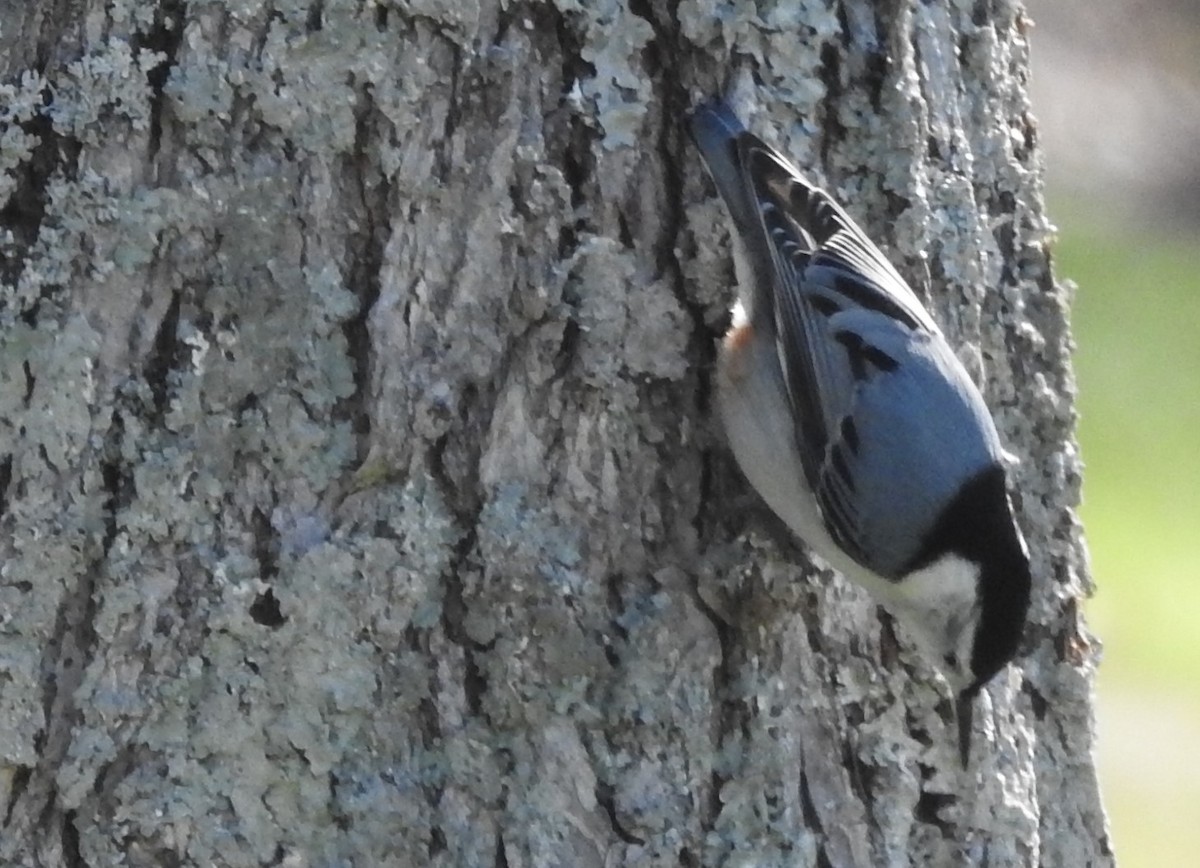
x: 887, y: 420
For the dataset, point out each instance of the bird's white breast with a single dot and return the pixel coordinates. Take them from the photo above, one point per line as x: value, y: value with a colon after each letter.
x: 937, y: 603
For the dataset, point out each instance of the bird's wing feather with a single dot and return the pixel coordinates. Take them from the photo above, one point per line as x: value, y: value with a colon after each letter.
x: 878, y: 397
x: 824, y: 267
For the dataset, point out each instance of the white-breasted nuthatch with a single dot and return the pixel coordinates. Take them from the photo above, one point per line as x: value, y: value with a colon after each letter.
x: 855, y: 421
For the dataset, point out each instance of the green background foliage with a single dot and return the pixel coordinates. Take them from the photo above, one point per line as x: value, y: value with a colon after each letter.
x: 1135, y: 318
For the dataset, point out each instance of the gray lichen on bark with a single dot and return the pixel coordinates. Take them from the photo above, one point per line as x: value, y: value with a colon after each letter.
x: 362, y: 501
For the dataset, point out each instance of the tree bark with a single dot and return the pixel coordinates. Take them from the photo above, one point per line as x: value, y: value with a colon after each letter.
x: 362, y: 501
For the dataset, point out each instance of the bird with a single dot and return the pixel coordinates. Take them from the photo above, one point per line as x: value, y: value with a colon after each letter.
x: 850, y: 414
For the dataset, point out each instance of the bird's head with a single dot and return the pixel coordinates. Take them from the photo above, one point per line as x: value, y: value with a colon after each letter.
x: 975, y: 567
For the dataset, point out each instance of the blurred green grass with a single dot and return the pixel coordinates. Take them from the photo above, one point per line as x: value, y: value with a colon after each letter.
x: 1137, y: 361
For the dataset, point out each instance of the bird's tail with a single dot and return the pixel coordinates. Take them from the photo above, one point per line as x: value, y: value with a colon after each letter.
x: 716, y: 129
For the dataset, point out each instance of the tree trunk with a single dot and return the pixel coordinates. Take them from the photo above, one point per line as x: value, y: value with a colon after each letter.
x: 362, y: 499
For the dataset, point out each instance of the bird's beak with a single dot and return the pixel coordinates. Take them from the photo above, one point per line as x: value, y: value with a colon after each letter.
x: 963, y: 712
